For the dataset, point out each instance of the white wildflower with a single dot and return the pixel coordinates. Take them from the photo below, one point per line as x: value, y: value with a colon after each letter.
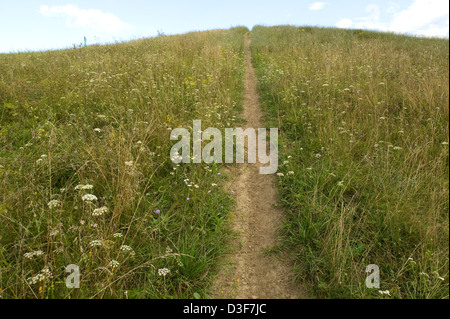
x: 89, y: 198
x: 114, y: 264
x: 125, y: 248
x: 44, y: 275
x: 163, y: 271
x: 100, y: 211
x: 384, y: 292
x: 84, y: 187
x: 97, y: 130
x: 54, y: 203
x: 32, y: 254
x: 118, y: 235
x: 95, y: 243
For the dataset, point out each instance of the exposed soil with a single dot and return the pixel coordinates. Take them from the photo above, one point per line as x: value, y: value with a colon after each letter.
x: 249, y: 272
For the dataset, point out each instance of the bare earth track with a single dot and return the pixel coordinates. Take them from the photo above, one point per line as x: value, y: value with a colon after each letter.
x: 249, y: 273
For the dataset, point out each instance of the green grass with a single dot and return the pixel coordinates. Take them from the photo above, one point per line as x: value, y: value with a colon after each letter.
x: 363, y: 120
x: 100, y: 116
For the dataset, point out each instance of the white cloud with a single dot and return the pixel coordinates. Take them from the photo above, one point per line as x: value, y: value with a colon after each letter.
x: 372, y: 21
x: 93, y: 19
x: 423, y: 17
x: 393, y: 7
x: 317, y: 5
x: 344, y: 23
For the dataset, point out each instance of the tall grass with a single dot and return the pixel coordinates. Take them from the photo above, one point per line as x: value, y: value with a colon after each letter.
x: 96, y: 120
x: 363, y: 119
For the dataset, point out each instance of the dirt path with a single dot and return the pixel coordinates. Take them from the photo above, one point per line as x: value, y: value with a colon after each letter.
x: 248, y: 272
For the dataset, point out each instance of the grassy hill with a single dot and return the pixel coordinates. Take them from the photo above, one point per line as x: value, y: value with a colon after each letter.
x: 364, y: 126
x: 363, y: 120
x: 98, y: 117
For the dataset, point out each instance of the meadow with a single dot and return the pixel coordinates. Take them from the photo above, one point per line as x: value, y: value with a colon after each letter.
x: 85, y: 175
x: 363, y: 119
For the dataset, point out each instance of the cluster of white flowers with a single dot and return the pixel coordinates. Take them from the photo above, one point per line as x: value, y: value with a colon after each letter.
x: 384, y: 292
x: 118, y: 235
x: 84, y: 187
x: 32, y: 254
x: 97, y: 130
x: 290, y: 173
x: 44, y: 275
x: 163, y: 272
x: 89, y: 198
x: 100, y: 211
x: 127, y: 249
x: 54, y: 203
x: 280, y: 174
x: 114, y: 264
x: 176, y: 158
x: 95, y: 243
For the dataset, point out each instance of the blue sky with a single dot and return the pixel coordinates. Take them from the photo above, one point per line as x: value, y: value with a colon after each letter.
x: 53, y: 24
